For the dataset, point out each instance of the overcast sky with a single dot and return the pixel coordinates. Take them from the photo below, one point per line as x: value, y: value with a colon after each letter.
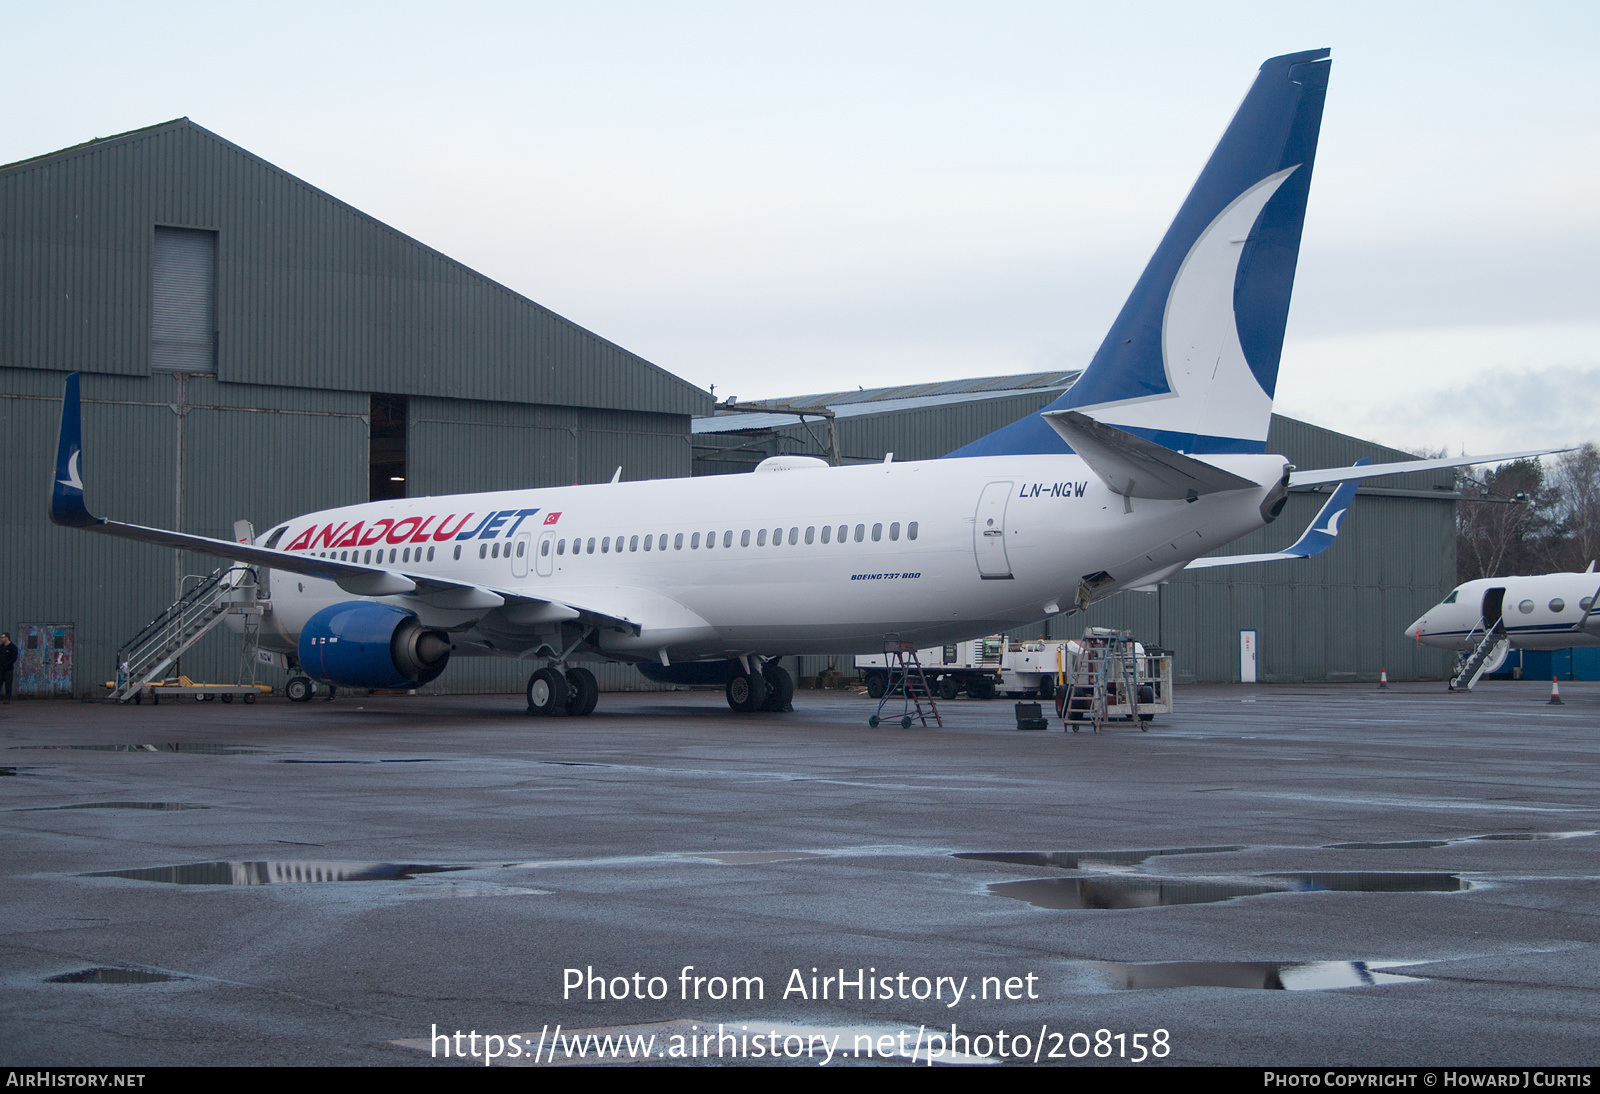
x: 788, y: 198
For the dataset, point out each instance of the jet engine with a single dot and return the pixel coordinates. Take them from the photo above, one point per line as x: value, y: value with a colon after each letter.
x: 360, y: 644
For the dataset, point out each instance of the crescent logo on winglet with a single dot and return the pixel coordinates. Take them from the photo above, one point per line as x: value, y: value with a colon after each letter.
x: 73, y: 480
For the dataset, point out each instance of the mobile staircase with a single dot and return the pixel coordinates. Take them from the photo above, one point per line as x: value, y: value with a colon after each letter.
x: 1492, y: 642
x: 144, y: 660
x: 906, y: 679
x: 1104, y: 676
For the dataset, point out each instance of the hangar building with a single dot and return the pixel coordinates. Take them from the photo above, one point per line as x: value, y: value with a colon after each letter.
x: 1340, y: 616
x: 252, y: 347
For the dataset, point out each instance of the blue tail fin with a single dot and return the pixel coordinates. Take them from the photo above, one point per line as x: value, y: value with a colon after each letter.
x: 1192, y: 360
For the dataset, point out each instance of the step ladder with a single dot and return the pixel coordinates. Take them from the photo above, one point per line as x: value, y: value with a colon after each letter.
x: 906, y: 679
x: 1490, y: 641
x: 1105, y: 675
x: 145, y: 658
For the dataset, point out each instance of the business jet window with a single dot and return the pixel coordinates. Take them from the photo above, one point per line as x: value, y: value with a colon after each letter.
x: 911, y: 530
x: 1451, y: 599
x: 811, y: 533
x: 1558, y: 605
x: 1526, y: 607
x: 744, y: 538
x: 1586, y: 603
x: 761, y: 538
x: 861, y: 532
x: 727, y: 538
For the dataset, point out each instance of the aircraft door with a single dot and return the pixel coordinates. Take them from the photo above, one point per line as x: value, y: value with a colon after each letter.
x: 519, y: 555
x: 1493, y: 604
x: 989, y: 532
x: 547, y: 550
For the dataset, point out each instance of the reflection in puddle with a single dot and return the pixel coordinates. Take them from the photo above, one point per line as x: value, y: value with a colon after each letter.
x: 275, y: 873
x: 160, y: 806
x: 1396, y: 845
x: 201, y: 748
x: 749, y: 858
x: 111, y: 976
x: 1116, y: 893
x: 1072, y: 860
x: 1425, y: 844
x: 1307, y: 976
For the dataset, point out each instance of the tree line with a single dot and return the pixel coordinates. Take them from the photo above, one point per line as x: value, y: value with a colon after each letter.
x: 1528, y: 518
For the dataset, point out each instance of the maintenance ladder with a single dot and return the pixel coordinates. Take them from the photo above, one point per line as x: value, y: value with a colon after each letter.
x: 906, y: 677
x: 1105, y: 675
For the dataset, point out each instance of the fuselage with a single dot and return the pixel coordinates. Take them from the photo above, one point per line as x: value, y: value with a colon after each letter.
x: 1539, y: 612
x: 807, y: 560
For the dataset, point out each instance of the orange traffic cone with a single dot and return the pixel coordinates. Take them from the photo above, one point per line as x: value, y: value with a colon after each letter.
x: 1383, y: 680
x: 1555, y: 692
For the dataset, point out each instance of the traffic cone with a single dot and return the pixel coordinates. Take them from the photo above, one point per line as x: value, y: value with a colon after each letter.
x: 1383, y: 680
x: 1555, y: 692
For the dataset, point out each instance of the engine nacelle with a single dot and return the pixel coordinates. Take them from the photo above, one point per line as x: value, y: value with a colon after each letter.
x: 360, y: 644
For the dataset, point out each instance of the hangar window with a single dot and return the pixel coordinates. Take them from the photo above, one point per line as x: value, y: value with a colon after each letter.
x: 811, y: 533
x: 1558, y: 605
x: 861, y: 532
x: 183, y: 301
x: 727, y: 538
x: 1526, y: 607
x: 386, y: 447
x: 744, y: 538
x: 877, y: 532
x: 894, y: 531
x: 827, y: 533
x: 911, y: 530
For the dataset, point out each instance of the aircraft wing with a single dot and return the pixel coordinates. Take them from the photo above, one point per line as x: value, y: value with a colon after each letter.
x: 1318, y: 536
x: 1372, y: 471
x: 67, y: 508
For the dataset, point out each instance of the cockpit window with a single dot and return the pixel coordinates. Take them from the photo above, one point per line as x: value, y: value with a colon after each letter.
x: 1451, y: 599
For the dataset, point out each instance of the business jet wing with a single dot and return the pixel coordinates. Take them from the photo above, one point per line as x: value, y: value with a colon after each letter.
x: 67, y: 508
x: 1137, y: 468
x: 1318, y: 536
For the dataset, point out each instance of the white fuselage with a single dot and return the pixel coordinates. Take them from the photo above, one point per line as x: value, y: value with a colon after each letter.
x: 1540, y: 612
x: 811, y: 560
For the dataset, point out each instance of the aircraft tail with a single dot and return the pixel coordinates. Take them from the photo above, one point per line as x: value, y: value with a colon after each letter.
x: 1192, y: 359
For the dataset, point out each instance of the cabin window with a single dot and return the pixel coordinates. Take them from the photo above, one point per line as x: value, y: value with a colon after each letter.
x: 391, y: 556
x: 605, y: 544
x: 777, y: 536
x: 877, y: 532
x: 647, y: 540
x: 633, y: 544
x: 677, y: 542
x: 811, y: 534
x: 794, y: 536
x: 1586, y: 603
x: 591, y: 545
x: 661, y: 542
x: 344, y: 556
x: 827, y: 533
x: 761, y: 538
x: 861, y: 532
x: 727, y: 538
x: 844, y: 532
x: 1526, y: 607
x: 430, y: 554
x: 744, y: 538
x: 458, y: 552
x: 894, y: 531
x: 406, y: 555
x: 911, y: 530
x: 694, y: 542
x: 494, y: 551
x: 1558, y: 605
x: 561, y: 546
x: 483, y: 550
x: 368, y: 558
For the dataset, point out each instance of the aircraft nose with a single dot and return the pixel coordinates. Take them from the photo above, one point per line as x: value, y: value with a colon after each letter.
x: 1416, y: 628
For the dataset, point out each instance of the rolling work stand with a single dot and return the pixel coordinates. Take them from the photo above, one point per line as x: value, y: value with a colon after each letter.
x: 906, y: 678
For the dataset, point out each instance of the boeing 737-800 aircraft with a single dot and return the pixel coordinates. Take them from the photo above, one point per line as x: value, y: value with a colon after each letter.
x: 1155, y: 457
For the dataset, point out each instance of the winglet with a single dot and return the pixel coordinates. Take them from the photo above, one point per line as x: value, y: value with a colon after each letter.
x: 66, y: 490
x: 1318, y: 536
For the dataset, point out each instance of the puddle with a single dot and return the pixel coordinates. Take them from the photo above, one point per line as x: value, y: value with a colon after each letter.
x: 420, y: 761
x: 160, y: 806
x: 112, y: 976
x: 1396, y: 845
x: 199, y: 748
x: 1118, y: 893
x: 1425, y: 844
x: 1071, y: 860
x: 4, y: 771
x: 750, y: 858
x: 276, y: 873
x: 1306, y: 976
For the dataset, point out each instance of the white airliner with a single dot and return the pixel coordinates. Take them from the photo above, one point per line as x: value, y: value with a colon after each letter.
x: 1154, y: 458
x: 1486, y: 618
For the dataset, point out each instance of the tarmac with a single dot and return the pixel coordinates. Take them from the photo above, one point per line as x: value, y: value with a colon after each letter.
x: 1271, y: 876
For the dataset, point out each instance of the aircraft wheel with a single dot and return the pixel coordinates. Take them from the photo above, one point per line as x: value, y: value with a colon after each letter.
x: 873, y: 721
x: 547, y: 693
x: 780, y: 689
x: 981, y: 687
x: 583, y: 692
x: 298, y: 689
x: 877, y: 684
x: 949, y: 687
x: 746, y: 692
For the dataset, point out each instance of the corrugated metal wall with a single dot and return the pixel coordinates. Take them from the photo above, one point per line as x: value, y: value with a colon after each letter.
x: 310, y: 292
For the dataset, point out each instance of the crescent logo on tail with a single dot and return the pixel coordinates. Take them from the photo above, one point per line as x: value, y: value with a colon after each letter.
x: 72, y: 478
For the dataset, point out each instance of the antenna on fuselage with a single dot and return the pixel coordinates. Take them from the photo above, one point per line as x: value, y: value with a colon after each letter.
x: 618, y: 476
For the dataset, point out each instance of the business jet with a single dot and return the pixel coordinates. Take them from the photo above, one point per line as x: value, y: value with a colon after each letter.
x: 1154, y: 458
x: 1484, y: 620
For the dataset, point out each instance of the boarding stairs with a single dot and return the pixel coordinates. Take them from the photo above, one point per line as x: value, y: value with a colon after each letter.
x: 1105, y: 675
x: 908, y: 682
x: 1490, y: 644
x: 145, y: 659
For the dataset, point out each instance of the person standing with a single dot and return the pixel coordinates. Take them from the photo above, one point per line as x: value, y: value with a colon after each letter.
x: 8, y: 661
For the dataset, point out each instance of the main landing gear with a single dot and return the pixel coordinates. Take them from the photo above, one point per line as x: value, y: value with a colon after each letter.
x: 770, y: 689
x: 554, y: 693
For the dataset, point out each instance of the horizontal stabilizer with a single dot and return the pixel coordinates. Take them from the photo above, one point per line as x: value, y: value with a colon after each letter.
x: 1137, y: 468
x: 1318, y: 536
x: 1377, y: 470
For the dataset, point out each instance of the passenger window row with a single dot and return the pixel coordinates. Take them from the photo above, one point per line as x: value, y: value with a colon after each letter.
x: 776, y: 537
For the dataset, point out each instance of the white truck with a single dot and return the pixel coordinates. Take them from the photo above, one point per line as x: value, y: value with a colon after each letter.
x: 991, y: 666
